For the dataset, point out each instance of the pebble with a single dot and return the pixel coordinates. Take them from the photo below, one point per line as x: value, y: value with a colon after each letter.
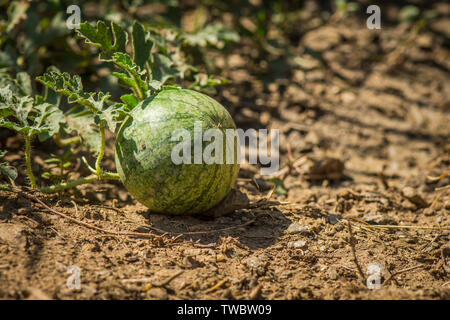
x: 429, y: 212
x: 296, y: 228
x: 299, y: 244
x: 256, y: 264
x: 380, y: 219
x: 334, y: 218
x: 413, y: 196
x: 332, y: 274
x: 158, y: 293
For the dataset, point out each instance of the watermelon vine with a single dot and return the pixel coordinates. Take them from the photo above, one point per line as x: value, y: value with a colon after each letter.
x: 145, y: 62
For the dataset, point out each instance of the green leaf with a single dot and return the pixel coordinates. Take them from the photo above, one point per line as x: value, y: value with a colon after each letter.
x: 125, y: 80
x: 155, y: 85
x: 135, y: 80
x: 114, y: 114
x: 142, y: 45
x: 6, y: 169
x: 204, y: 83
x: 73, y: 89
x: 102, y: 38
x: 162, y: 68
x: 24, y: 82
x: 409, y: 13
x: 20, y: 86
x: 52, y: 117
x: 84, y: 125
x: 28, y: 115
x: 215, y: 35
x: 94, y: 101
x: 130, y: 100
x: 279, y: 189
x: 20, y: 106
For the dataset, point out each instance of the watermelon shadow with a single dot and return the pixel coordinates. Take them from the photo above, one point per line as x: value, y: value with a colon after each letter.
x: 254, y: 228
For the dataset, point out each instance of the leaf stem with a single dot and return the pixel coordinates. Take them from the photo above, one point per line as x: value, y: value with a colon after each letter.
x: 98, y: 169
x: 28, y: 160
x: 66, y: 142
x: 74, y: 183
x: 138, y: 87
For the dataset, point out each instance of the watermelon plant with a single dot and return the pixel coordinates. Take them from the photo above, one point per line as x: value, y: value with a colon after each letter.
x: 154, y: 70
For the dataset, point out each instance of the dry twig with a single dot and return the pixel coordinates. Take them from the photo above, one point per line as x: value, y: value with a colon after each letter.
x: 352, y: 246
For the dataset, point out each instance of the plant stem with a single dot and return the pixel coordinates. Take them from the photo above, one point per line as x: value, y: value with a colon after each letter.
x: 66, y: 142
x: 28, y: 160
x: 73, y: 184
x: 98, y: 169
x: 98, y: 173
x: 141, y: 94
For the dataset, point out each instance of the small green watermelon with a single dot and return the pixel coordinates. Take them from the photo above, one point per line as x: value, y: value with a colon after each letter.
x: 144, y: 153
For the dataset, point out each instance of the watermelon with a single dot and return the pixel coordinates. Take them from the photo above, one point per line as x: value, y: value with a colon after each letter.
x: 143, y: 153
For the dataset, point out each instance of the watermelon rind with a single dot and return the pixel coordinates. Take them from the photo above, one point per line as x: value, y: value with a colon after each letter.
x: 144, y: 146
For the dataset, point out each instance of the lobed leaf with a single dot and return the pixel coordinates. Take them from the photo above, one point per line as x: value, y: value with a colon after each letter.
x: 162, y: 68
x: 102, y: 37
x: 142, y: 45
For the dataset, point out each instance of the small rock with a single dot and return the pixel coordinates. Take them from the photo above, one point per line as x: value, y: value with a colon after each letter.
x: 412, y: 195
x: 256, y: 264
x: 299, y: 244
x: 317, y: 169
x: 220, y: 257
x: 332, y: 274
x: 380, y: 219
x: 429, y: 212
x: 296, y: 228
x: 334, y: 218
x: 158, y: 293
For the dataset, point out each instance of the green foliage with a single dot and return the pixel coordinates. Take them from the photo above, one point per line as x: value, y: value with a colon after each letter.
x: 57, y: 165
x: 7, y: 170
x: 346, y: 7
x: 215, y: 35
x: 102, y: 38
x: 95, y: 107
x: 411, y: 13
x: 279, y: 186
x: 27, y: 115
x: 25, y: 35
x: 145, y: 58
